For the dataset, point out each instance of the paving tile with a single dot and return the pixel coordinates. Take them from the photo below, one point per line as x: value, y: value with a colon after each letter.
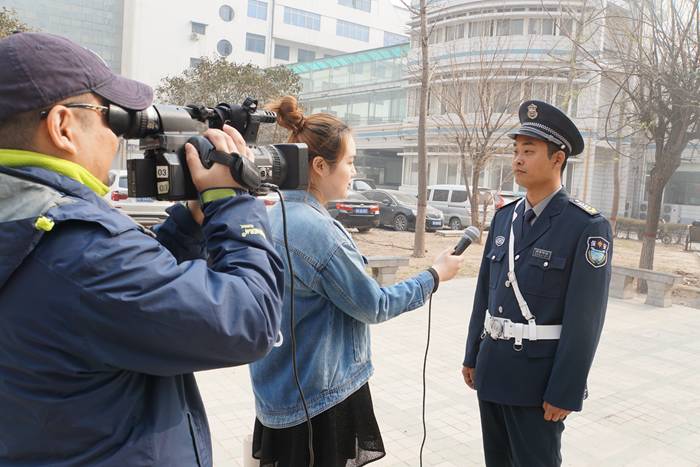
x: 643, y: 411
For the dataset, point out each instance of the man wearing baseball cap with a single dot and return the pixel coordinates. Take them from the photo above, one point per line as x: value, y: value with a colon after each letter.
x: 540, y: 300
x: 102, y: 326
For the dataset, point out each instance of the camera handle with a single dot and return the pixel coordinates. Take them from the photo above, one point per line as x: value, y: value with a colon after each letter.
x: 243, y: 170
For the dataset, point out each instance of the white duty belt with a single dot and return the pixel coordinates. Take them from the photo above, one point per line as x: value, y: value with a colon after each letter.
x: 502, y: 328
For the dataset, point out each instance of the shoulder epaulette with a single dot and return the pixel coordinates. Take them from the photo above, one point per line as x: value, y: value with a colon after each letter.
x: 590, y: 210
x: 509, y: 203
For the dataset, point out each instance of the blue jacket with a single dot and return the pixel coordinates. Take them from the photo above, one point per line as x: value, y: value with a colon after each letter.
x: 335, y: 301
x: 102, y: 326
x: 564, y: 281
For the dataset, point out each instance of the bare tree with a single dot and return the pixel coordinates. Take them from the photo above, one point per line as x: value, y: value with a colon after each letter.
x: 586, y: 25
x: 480, y: 99
x: 423, y: 35
x: 652, y: 55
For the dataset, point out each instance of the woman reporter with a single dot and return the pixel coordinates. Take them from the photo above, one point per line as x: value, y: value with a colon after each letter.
x: 335, y: 301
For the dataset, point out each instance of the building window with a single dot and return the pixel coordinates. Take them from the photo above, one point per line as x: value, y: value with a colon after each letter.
x: 565, y: 27
x: 257, y: 9
x: 454, y: 32
x: 226, y: 13
x: 301, y: 18
x: 194, y: 62
x: 364, y: 5
x: 199, y: 28
x: 224, y: 48
x: 543, y: 26
x: 481, y: 28
x: 683, y: 188
x: 282, y: 52
x: 352, y: 30
x: 436, y: 35
x: 392, y: 39
x: 255, y: 43
x: 306, y: 55
x: 509, y: 27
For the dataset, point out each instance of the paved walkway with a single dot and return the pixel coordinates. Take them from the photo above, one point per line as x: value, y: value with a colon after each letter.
x: 643, y: 410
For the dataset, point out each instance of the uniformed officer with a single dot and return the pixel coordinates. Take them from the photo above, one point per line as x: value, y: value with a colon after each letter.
x: 540, y: 300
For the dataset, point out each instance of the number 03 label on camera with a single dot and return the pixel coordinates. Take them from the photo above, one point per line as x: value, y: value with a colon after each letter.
x: 162, y: 171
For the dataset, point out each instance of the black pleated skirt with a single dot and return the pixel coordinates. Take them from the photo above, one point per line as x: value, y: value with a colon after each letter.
x: 346, y: 435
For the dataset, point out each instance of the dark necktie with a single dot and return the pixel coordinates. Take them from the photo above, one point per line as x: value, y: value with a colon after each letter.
x: 527, y: 219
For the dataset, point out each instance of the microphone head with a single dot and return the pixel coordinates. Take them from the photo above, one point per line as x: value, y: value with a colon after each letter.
x: 472, y: 233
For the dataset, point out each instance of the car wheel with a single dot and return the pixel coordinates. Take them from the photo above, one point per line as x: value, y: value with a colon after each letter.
x: 455, y: 224
x: 400, y: 223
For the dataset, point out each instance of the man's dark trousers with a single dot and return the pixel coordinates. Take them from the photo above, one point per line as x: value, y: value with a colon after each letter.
x: 519, y: 436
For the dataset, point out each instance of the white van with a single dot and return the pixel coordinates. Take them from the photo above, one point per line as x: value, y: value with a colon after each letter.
x: 452, y: 201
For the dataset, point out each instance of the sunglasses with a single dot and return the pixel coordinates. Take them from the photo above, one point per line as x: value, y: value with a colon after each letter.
x: 118, y: 119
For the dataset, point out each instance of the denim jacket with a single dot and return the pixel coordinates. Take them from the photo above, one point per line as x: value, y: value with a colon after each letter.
x: 335, y: 301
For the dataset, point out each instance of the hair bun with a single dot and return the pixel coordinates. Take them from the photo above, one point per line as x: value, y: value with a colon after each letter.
x: 289, y: 115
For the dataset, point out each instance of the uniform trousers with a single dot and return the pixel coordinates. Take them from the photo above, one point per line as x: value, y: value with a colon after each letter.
x: 519, y: 436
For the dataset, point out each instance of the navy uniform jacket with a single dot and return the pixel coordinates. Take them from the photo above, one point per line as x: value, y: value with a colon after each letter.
x: 563, y: 269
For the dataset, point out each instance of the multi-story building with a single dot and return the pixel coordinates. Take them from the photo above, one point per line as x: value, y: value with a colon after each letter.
x: 503, y: 52
x: 151, y: 39
x: 95, y: 25
x: 493, y: 55
x: 164, y: 37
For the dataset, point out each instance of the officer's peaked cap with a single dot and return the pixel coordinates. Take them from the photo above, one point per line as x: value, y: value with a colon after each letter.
x: 545, y: 122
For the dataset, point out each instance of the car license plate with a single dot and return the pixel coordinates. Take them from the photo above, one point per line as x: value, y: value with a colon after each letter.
x: 435, y: 223
x: 361, y: 210
x: 144, y: 200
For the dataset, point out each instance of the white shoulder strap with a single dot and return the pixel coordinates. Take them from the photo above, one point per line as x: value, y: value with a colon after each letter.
x: 524, y: 308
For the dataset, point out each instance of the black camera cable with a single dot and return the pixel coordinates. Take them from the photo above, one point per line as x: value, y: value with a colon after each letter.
x: 470, y: 235
x: 291, y: 321
x: 425, y: 364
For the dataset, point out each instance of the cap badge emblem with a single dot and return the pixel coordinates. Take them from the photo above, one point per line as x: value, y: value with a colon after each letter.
x: 532, y: 111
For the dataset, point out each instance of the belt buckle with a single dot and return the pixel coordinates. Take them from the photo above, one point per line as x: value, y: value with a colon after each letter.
x: 496, y: 329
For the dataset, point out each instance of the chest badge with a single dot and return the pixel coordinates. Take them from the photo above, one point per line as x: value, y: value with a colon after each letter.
x: 500, y: 240
x: 597, y: 251
x: 542, y: 254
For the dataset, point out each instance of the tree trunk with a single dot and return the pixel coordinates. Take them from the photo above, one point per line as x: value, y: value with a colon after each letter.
x: 646, y: 257
x: 419, y: 240
x: 616, y: 191
x: 474, y: 201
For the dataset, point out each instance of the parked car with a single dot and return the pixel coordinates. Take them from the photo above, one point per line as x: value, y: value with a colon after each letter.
x: 355, y: 211
x: 398, y: 209
x: 505, y: 197
x: 362, y: 184
x: 144, y: 210
x: 452, y: 201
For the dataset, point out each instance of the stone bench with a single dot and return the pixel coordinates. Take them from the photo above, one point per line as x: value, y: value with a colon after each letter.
x: 659, y: 284
x: 384, y: 268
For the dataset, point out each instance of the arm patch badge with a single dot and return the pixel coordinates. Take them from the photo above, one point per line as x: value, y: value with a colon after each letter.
x: 597, y: 251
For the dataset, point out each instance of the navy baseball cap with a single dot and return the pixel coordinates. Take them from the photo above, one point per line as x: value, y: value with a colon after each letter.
x: 38, y: 70
x: 547, y: 123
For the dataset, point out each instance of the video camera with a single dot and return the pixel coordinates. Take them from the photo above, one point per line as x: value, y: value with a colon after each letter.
x: 163, y: 131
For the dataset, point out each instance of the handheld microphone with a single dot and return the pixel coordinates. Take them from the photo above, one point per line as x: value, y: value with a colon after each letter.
x: 470, y: 235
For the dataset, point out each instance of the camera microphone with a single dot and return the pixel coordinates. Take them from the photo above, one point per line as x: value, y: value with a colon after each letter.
x: 470, y: 235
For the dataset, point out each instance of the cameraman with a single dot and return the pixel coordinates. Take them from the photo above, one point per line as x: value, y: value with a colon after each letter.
x: 102, y: 326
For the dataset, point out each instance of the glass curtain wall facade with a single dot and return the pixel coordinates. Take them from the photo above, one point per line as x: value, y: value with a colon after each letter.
x: 379, y: 71
x: 94, y: 24
x: 367, y: 90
